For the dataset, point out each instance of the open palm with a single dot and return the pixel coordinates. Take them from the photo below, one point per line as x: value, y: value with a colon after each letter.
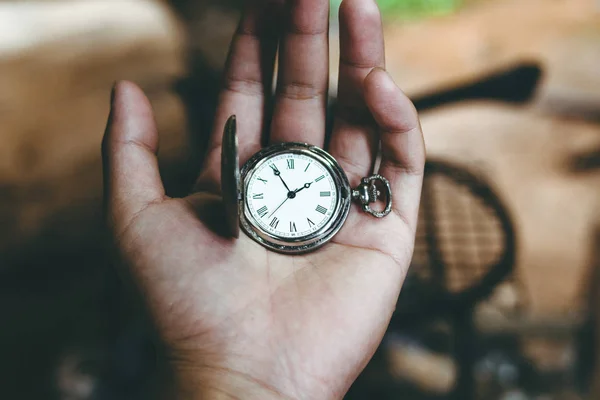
x: 240, y: 320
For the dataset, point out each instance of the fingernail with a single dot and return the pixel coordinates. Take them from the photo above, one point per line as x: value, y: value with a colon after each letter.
x: 380, y: 69
x: 388, y: 77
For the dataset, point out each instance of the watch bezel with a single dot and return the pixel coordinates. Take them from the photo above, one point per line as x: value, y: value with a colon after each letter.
x: 322, y: 235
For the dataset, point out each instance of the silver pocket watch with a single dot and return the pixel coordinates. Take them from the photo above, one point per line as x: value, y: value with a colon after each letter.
x: 291, y: 197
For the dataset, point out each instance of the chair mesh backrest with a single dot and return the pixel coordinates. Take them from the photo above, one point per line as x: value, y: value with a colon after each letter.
x: 462, y: 235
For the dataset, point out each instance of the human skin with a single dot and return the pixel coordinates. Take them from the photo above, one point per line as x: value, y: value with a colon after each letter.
x: 238, y: 320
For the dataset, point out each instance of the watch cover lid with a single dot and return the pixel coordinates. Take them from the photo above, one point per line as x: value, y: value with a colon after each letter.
x: 230, y: 177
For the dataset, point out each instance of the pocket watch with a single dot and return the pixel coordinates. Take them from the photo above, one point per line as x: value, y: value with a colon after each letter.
x: 291, y: 197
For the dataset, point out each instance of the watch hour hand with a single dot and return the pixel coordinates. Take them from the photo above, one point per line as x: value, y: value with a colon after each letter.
x: 306, y: 186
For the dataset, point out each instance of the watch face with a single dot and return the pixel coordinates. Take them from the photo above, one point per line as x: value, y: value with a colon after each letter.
x: 295, y: 197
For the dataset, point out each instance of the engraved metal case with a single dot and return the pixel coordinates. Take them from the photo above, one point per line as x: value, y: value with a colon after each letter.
x: 234, y: 189
x: 319, y: 237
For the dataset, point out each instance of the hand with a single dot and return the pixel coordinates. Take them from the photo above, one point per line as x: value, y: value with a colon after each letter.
x: 239, y: 320
x: 278, y: 174
x: 282, y: 203
x: 305, y: 186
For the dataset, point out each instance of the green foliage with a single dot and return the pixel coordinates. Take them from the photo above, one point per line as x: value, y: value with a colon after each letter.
x: 409, y: 9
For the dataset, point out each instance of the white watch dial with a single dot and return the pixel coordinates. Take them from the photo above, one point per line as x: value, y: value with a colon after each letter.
x: 291, y: 195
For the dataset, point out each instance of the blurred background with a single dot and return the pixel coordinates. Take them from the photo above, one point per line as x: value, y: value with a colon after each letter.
x: 501, y: 301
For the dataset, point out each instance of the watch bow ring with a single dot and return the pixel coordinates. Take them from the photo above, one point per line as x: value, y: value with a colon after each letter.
x: 292, y: 197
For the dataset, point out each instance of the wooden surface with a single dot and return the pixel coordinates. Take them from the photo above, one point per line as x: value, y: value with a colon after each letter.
x: 55, y: 101
x: 57, y: 57
x: 528, y: 158
x: 58, y: 61
x: 54, y: 105
x: 426, y: 55
x: 529, y: 153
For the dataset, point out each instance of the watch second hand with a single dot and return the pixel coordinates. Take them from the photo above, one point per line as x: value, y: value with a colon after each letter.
x: 286, y: 199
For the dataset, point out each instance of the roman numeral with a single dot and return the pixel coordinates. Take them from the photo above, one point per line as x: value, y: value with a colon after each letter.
x: 293, y: 227
x: 290, y: 163
x: 262, y: 211
x: 262, y: 180
x: 305, y: 169
x: 320, y: 178
x: 310, y: 223
x: 259, y: 196
x: 273, y: 167
x: 321, y: 209
x: 325, y: 194
x: 274, y: 223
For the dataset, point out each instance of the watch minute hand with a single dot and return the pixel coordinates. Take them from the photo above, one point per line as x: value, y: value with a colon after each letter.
x: 278, y: 174
x: 282, y: 181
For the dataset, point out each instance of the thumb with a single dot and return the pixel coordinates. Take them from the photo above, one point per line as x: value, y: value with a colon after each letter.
x: 131, y: 177
x: 402, y: 145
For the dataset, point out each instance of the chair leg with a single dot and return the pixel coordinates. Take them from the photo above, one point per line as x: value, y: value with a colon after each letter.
x: 465, y: 350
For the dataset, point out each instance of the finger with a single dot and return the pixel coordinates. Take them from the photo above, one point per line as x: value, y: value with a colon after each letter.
x: 248, y: 80
x: 403, y: 149
x: 354, y: 138
x: 131, y: 177
x: 301, y: 99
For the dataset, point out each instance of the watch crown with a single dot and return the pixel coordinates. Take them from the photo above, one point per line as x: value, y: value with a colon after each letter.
x: 366, y: 193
